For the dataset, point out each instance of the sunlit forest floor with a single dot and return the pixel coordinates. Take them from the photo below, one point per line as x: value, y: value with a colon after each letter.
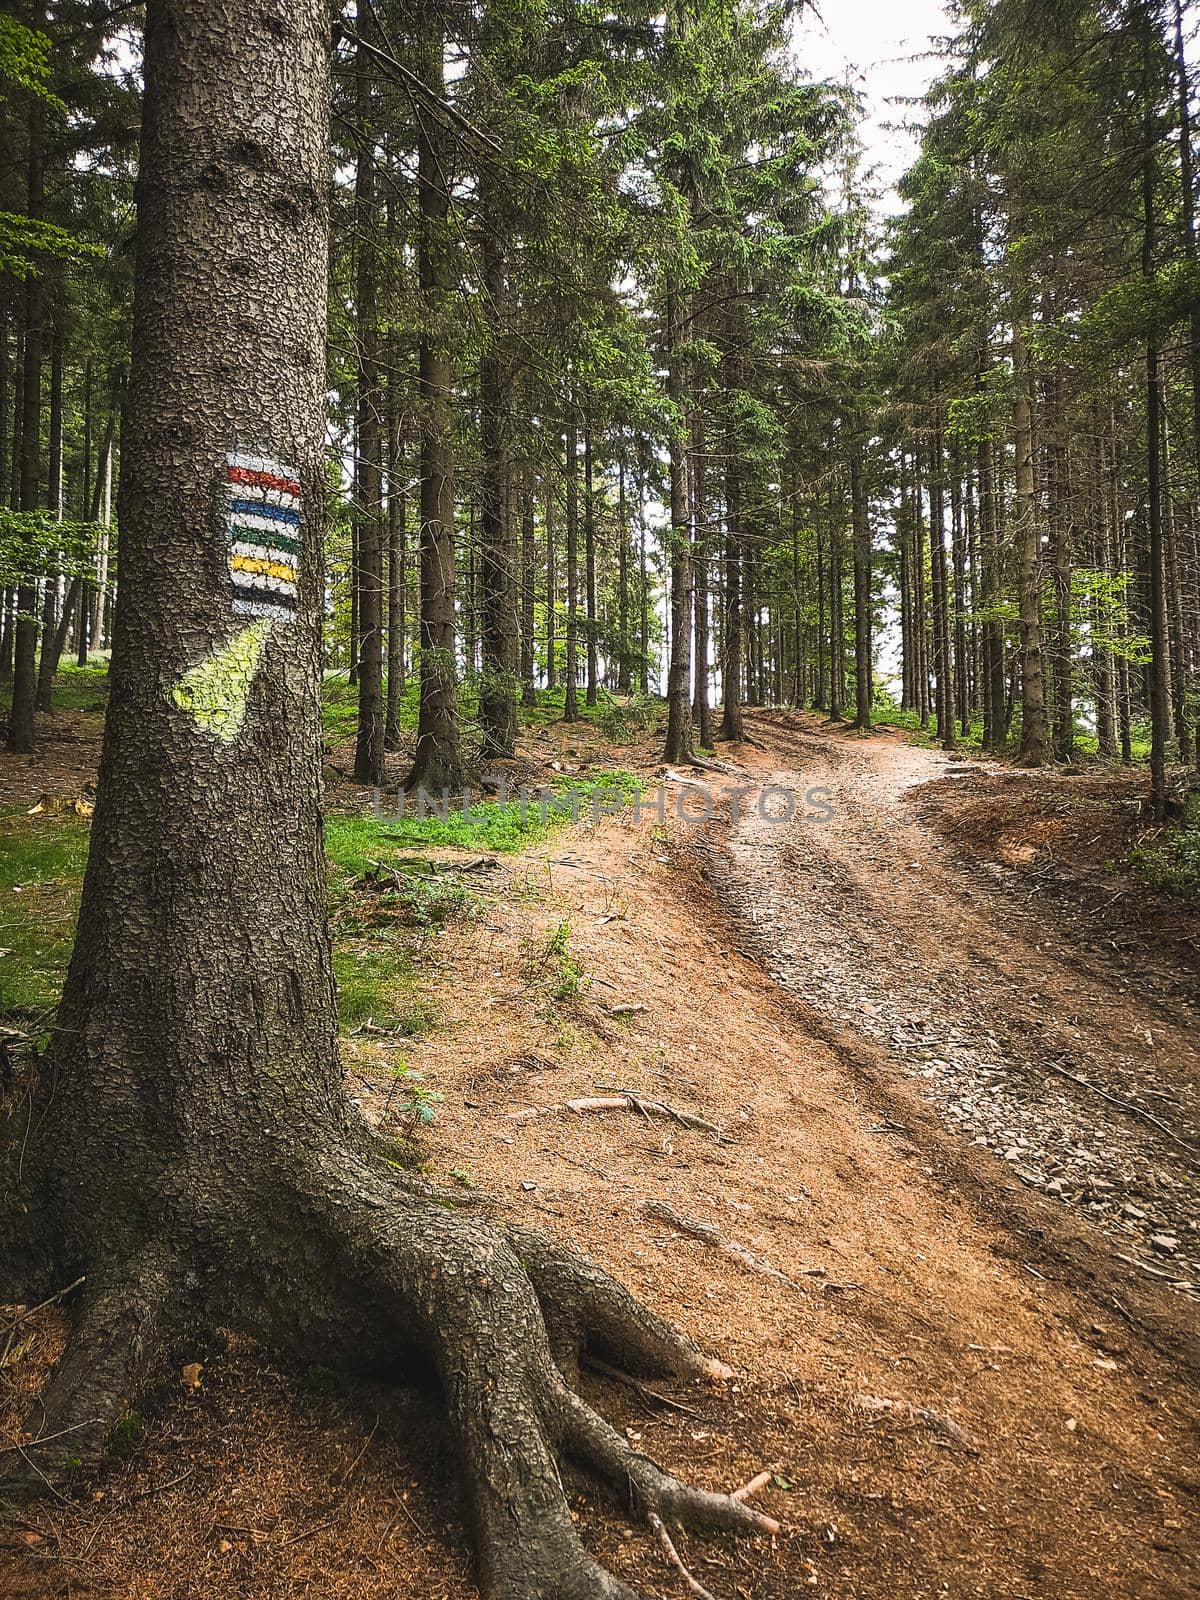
x: 831, y: 1150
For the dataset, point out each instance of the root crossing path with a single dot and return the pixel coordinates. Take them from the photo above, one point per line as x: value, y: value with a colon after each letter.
x: 1083, y: 1081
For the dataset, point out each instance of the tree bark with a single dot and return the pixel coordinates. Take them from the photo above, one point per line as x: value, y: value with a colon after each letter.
x: 397, y: 600
x: 528, y: 586
x: 1035, y: 739
x: 860, y: 519
x: 571, y: 695
x: 589, y: 563
x: 369, y: 745
x: 498, y: 555
x: 438, y: 763
x: 731, y: 665
x: 623, y: 678
x: 1160, y: 724
x: 22, y: 738
x: 679, y: 740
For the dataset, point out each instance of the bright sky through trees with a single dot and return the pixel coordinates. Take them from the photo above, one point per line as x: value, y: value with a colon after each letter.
x: 885, y: 46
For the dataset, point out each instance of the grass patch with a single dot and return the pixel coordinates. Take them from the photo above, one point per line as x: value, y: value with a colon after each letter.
x: 887, y: 714
x: 75, y: 688
x: 41, y: 873
x: 355, y: 842
x: 380, y: 986
x: 1173, y: 866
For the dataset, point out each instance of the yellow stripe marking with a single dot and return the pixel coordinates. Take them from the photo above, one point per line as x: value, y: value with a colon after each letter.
x: 269, y: 569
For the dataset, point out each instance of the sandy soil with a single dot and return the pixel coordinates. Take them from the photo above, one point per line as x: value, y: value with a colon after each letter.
x: 948, y: 1409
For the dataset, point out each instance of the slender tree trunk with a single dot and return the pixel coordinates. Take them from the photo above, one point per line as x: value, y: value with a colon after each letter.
x: 21, y: 725
x: 528, y: 586
x: 589, y: 561
x: 643, y: 588
x: 571, y: 698
x: 397, y: 598
x: 701, y: 702
x: 731, y: 667
x: 837, y: 627
x: 679, y: 741
x: 944, y: 687
x: 48, y: 664
x: 369, y: 749
x: 1177, y: 640
x: 623, y: 674
x: 861, y: 525
x: 1034, y: 730
x: 551, y: 587
x: 1160, y: 723
x: 498, y: 554
x: 438, y: 763
x: 1059, y: 501
x: 957, y: 599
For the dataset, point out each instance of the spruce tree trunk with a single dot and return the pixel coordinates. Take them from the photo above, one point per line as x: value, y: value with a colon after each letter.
x: 551, y: 585
x: 944, y: 688
x: 397, y: 600
x: 1160, y: 721
x: 643, y: 588
x: 1059, y: 500
x: 438, y: 763
x: 957, y: 598
x: 22, y: 738
x: 1035, y: 739
x: 837, y: 632
x: 528, y: 586
x: 679, y: 740
x: 623, y: 582
x: 701, y: 704
x: 571, y: 696
x: 498, y: 555
x: 862, y: 587
x: 188, y: 1150
x: 731, y: 665
x: 48, y: 662
x: 368, y: 474
x: 589, y: 562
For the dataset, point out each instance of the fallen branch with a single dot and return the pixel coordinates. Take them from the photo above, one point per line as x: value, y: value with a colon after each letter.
x: 624, y: 1101
x: 676, y: 1560
x: 31, y: 1311
x: 1127, y: 1105
x: 639, y: 1387
x: 707, y: 1234
x: 931, y: 1419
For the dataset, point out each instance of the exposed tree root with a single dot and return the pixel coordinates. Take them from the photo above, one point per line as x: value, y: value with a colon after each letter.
x: 504, y: 1314
x: 114, y: 1343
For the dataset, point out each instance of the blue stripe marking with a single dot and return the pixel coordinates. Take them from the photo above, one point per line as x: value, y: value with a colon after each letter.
x: 260, y: 508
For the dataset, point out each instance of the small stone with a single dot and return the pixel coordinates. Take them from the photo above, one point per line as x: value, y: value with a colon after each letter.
x: 1165, y: 1242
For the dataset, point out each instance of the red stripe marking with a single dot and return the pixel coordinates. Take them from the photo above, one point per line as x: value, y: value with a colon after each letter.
x: 263, y: 480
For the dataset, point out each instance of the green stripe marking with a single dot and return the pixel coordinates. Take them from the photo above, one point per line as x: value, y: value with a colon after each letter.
x: 268, y: 541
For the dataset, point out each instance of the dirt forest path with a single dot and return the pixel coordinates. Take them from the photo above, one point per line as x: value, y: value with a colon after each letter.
x: 1068, y: 1065
x: 949, y: 1408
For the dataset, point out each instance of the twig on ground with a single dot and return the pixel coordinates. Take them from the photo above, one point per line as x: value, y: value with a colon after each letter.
x: 707, y: 1234
x: 636, y: 1384
x: 31, y: 1311
x: 624, y: 1101
x: 676, y: 1560
x: 1127, y: 1105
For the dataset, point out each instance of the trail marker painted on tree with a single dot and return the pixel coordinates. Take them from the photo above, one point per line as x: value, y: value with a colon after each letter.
x: 265, y: 525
